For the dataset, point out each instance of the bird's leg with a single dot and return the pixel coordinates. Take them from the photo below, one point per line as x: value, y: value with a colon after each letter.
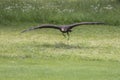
x: 68, y: 35
x: 63, y: 35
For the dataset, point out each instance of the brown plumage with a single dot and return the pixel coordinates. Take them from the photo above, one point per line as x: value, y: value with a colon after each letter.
x: 63, y: 28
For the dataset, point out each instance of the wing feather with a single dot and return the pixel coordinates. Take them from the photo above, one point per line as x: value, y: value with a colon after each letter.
x: 84, y: 23
x: 42, y: 26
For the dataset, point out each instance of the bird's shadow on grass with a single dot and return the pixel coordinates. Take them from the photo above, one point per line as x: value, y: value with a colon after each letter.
x: 61, y: 45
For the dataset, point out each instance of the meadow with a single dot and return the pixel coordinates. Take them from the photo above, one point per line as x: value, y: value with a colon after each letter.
x: 92, y: 53
x: 59, y: 11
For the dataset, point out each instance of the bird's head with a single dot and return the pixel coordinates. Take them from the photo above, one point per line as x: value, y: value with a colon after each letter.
x: 63, y: 29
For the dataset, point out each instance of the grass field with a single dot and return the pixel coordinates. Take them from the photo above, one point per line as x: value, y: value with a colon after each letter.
x: 92, y: 53
x: 59, y: 11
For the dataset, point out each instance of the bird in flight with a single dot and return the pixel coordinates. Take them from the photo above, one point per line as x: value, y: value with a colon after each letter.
x: 63, y: 28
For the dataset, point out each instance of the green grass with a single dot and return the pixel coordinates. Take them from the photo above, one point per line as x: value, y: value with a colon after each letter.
x: 59, y: 11
x: 91, y: 54
x: 60, y: 70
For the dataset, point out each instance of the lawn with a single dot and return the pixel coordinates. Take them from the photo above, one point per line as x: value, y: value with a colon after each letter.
x: 92, y: 53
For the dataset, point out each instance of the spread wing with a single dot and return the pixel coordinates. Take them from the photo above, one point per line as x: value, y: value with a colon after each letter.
x: 84, y: 23
x: 42, y: 26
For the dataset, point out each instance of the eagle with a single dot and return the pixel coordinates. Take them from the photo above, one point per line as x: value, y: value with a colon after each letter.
x: 62, y: 28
